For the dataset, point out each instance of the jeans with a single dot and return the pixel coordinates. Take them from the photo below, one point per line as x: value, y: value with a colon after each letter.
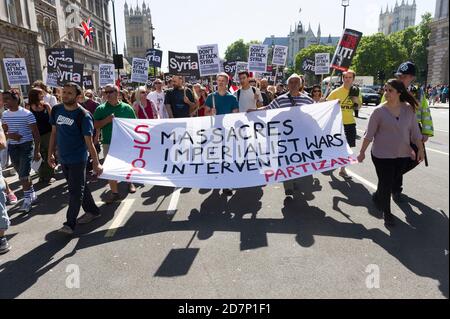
x: 80, y: 195
x: 388, y: 172
x: 21, y: 158
x: 4, y: 219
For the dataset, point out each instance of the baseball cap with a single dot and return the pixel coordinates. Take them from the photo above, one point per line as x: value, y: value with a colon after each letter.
x: 406, y: 68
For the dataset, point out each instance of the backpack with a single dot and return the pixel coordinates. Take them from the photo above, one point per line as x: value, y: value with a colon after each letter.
x: 239, y: 92
x: 78, y: 120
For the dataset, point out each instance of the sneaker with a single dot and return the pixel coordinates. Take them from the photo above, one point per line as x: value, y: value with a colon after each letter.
x: 112, y: 198
x: 33, y: 197
x: 4, y: 246
x: 87, y: 218
x: 345, y: 176
x: 26, y: 206
x: 66, y: 230
x: 11, y: 199
x: 131, y: 188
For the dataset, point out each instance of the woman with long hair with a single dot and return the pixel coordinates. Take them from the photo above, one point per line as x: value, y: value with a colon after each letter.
x: 316, y: 93
x: 394, y: 131
x: 41, y: 112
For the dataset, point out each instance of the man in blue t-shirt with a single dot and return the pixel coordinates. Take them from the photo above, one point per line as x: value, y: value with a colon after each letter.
x: 72, y: 130
x: 220, y: 103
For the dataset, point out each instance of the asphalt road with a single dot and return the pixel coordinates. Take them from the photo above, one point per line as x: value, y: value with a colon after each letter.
x: 165, y: 243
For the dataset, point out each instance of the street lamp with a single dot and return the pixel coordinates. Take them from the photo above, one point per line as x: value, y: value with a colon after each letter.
x: 345, y: 4
x: 115, y: 28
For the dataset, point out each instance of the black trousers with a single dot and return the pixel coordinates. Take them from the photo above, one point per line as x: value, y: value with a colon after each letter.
x: 79, y: 193
x: 388, y: 171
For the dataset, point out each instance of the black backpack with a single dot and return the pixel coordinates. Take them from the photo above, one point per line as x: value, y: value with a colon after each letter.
x: 239, y: 92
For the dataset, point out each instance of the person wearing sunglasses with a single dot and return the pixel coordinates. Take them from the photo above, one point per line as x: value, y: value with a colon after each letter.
x: 144, y: 108
x: 103, y: 116
x: 316, y: 93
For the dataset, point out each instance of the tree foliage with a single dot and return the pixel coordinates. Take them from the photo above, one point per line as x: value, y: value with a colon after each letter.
x: 310, y: 52
x: 385, y: 53
x: 238, y: 50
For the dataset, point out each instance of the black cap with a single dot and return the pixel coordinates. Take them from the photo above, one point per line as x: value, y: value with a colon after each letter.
x: 406, y: 68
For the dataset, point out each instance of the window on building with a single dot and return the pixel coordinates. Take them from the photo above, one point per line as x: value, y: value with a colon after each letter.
x: 101, y: 42
x: 83, y: 3
x: 91, y: 5
x: 98, y: 8
x: 108, y: 44
x: 12, y: 13
x: 106, y: 11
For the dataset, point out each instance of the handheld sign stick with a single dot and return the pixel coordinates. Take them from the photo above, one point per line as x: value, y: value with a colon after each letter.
x: 327, y: 91
x: 276, y: 73
x: 212, y: 92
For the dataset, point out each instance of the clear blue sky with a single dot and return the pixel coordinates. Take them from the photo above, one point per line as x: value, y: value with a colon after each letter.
x: 182, y: 25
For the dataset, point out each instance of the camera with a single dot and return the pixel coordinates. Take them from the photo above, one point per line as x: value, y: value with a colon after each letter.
x: 354, y: 92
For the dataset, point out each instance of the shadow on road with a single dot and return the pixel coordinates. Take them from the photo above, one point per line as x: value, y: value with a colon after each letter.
x: 419, y: 246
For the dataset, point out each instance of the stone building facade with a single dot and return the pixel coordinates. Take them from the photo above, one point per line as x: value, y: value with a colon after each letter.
x: 139, y: 30
x: 398, y: 18
x: 438, y: 46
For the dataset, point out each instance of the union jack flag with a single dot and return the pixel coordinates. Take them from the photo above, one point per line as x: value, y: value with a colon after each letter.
x: 87, y: 30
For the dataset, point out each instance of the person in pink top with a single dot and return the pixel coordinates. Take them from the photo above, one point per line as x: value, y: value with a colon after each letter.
x: 144, y: 108
x: 393, y: 130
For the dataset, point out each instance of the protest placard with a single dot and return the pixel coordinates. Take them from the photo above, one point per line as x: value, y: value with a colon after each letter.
x: 208, y: 59
x: 139, y: 70
x: 257, y: 58
x: 106, y: 74
x: 16, y: 71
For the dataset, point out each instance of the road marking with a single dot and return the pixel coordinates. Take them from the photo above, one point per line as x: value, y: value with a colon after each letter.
x: 441, y: 131
x: 118, y: 221
x: 428, y: 149
x: 362, y: 180
x: 174, y: 201
x: 436, y: 151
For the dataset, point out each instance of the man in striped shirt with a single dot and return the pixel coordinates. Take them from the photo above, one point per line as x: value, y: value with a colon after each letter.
x: 291, y: 99
x: 21, y: 131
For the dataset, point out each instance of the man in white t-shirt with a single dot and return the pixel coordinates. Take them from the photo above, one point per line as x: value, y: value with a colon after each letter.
x: 157, y: 97
x: 249, y: 97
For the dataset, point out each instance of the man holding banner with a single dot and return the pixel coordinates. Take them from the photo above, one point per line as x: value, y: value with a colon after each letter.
x: 220, y: 103
x: 104, y: 115
x: 348, y: 103
x: 179, y: 101
x: 291, y: 99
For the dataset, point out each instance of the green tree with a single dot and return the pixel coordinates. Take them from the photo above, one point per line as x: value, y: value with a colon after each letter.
x: 310, y: 52
x: 238, y: 50
x: 378, y: 53
x: 420, y: 47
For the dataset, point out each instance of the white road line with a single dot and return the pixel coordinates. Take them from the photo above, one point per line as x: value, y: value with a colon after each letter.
x: 441, y: 131
x: 436, y: 151
x: 362, y: 180
x: 118, y: 221
x: 428, y: 149
x: 174, y: 201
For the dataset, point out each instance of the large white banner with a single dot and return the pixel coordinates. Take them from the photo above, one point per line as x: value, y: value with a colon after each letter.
x: 106, y: 74
x: 230, y: 151
x: 16, y: 71
x: 257, y: 58
x: 208, y: 59
x: 139, y: 70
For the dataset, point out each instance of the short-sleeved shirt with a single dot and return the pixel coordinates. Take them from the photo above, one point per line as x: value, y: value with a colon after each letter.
x: 175, y: 98
x: 342, y: 94
x: 19, y: 122
x: 121, y: 110
x: 247, y: 98
x: 287, y: 100
x: 225, y: 104
x: 70, y: 134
